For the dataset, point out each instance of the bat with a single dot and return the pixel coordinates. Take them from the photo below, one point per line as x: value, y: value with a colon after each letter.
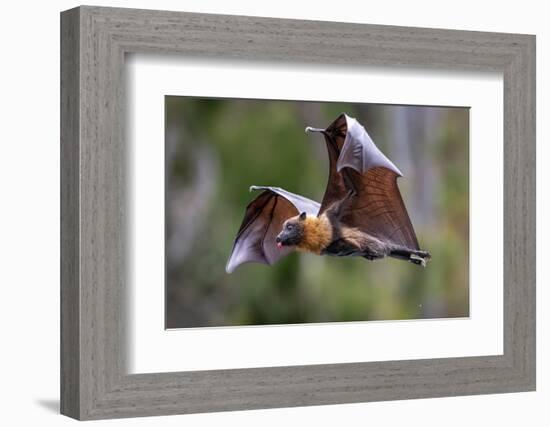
x: 362, y: 212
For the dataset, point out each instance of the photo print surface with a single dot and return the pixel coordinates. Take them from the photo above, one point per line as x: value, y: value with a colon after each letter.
x: 293, y: 212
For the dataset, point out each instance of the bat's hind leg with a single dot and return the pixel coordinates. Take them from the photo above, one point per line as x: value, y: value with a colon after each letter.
x: 411, y: 255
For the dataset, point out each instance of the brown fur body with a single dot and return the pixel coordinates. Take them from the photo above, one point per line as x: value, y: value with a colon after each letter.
x: 326, y: 235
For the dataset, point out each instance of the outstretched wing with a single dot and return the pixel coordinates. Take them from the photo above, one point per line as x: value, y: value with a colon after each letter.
x: 376, y: 205
x: 263, y: 220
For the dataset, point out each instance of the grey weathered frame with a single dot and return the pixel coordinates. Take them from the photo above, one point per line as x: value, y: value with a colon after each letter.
x: 94, y: 41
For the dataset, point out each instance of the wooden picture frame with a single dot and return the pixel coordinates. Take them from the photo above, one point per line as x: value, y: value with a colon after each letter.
x: 94, y: 382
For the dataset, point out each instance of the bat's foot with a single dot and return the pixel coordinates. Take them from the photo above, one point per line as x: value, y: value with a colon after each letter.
x: 411, y: 255
x: 420, y: 258
x: 415, y: 259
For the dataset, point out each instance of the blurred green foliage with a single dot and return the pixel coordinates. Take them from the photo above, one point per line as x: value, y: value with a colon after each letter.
x: 216, y: 149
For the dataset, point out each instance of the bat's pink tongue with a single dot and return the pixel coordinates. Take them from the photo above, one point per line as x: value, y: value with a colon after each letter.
x: 279, y: 245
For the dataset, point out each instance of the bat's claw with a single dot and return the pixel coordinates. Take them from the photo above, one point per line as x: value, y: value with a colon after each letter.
x: 310, y: 129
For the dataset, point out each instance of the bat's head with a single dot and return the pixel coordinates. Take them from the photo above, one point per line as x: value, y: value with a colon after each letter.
x: 292, y: 232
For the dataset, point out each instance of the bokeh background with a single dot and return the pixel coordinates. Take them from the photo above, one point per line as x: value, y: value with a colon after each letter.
x: 217, y: 148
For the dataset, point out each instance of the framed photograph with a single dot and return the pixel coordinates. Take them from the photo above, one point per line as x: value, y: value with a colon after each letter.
x: 263, y: 213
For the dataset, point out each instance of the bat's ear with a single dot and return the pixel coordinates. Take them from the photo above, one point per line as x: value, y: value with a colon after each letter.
x: 302, y: 216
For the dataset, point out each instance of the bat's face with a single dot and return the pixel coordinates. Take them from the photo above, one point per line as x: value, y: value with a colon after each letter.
x: 292, y: 232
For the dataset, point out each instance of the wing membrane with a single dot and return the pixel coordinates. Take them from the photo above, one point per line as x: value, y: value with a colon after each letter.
x: 263, y: 220
x: 377, y: 207
x: 334, y: 138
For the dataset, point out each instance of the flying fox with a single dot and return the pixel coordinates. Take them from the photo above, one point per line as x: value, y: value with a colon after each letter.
x: 362, y: 212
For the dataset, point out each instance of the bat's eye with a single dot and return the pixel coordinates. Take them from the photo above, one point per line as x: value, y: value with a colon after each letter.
x: 289, y: 227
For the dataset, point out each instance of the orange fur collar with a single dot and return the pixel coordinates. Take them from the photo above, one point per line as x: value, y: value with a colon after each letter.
x: 317, y: 234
